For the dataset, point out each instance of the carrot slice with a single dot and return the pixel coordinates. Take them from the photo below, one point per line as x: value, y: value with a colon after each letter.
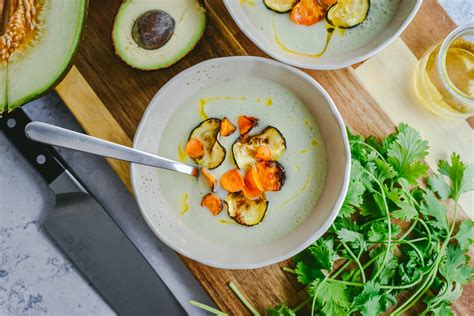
x: 232, y: 181
x: 252, y: 186
x: 271, y: 175
x: 307, y: 12
x: 252, y: 180
x: 251, y: 193
x: 263, y: 153
x: 210, y: 179
x: 227, y: 128
x: 246, y: 123
x: 327, y: 2
x: 213, y: 203
x: 194, y: 148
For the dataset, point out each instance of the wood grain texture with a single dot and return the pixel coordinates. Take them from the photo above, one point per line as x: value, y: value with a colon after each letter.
x: 108, y: 98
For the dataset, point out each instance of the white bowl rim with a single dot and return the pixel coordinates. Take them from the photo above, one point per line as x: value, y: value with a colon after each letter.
x: 304, y: 244
x: 333, y: 66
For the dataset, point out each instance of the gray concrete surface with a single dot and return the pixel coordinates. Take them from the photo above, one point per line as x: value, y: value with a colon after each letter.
x: 35, y: 278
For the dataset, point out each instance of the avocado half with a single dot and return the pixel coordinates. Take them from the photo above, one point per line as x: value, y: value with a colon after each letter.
x: 151, y: 35
x: 37, y: 47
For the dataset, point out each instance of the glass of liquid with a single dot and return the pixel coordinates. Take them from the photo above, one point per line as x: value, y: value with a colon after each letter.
x: 444, y: 76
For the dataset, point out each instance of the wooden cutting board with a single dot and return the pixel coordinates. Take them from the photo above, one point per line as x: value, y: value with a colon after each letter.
x: 108, y: 99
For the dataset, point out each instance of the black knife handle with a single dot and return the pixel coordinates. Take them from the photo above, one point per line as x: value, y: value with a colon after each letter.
x: 40, y: 156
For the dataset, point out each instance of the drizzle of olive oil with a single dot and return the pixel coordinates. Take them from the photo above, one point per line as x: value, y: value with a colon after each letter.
x: 303, y: 188
x: 268, y: 101
x: 329, y: 29
x: 184, y: 204
x: 303, y: 151
x: 226, y: 221
x: 205, y: 101
x: 250, y: 3
x: 182, y: 156
x: 202, y: 110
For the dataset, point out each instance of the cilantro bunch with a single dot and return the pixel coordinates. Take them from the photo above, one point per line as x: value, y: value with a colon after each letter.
x: 392, y: 245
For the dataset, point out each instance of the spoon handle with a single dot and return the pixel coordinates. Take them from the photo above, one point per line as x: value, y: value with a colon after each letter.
x: 53, y: 135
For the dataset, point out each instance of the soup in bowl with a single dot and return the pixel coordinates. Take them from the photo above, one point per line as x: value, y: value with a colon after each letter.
x: 274, y: 160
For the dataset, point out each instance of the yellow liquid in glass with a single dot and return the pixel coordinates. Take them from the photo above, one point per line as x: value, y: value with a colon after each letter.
x: 431, y: 88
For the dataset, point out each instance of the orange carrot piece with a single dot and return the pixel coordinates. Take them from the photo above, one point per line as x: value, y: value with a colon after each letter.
x: 327, y: 2
x: 263, y: 153
x: 251, y: 193
x: 252, y: 186
x: 194, y: 148
x: 252, y: 180
x: 246, y: 123
x: 271, y: 175
x: 232, y: 181
x: 213, y: 203
x: 210, y: 179
x: 307, y: 12
x: 227, y: 128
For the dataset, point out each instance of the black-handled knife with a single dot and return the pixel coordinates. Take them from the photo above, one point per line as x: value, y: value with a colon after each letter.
x: 89, y: 236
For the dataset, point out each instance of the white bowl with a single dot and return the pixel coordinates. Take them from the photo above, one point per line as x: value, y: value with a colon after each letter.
x: 405, y: 13
x: 169, y: 227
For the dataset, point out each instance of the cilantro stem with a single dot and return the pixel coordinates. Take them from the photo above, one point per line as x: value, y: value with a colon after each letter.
x: 316, y: 293
x: 300, y: 306
x: 289, y: 270
x: 385, y: 287
x: 371, y: 147
x: 356, y: 260
x: 207, y: 308
x: 242, y: 298
x: 428, y: 232
x: 432, y: 273
x: 389, y: 224
x: 372, y: 221
x: 341, y: 269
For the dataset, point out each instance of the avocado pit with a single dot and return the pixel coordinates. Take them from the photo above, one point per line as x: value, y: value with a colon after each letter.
x: 153, y: 29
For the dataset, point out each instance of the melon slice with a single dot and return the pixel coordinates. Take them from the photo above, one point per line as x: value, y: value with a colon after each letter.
x: 37, y: 47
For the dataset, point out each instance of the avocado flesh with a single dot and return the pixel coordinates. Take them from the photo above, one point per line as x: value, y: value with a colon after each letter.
x: 45, y: 54
x: 190, y: 21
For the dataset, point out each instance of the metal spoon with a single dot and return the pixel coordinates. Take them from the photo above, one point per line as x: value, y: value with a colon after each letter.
x: 53, y: 135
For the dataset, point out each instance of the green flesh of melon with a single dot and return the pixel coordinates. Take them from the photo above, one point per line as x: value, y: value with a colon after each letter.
x: 190, y: 22
x: 42, y: 61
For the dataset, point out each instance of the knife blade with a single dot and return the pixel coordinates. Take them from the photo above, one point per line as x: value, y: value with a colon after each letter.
x: 89, y: 236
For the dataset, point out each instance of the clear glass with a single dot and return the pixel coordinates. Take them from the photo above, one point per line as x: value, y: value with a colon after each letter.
x: 444, y: 76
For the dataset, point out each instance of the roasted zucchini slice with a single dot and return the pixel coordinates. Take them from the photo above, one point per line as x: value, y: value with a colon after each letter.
x: 280, y: 6
x: 345, y: 14
x: 245, y: 147
x: 245, y: 211
x: 206, y: 132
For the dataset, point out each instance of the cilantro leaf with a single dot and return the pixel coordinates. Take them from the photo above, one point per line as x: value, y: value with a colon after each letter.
x: 439, y: 185
x: 280, y: 310
x: 323, y: 251
x: 455, y: 267
x: 307, y: 267
x: 354, y: 238
x: 354, y: 196
x: 370, y: 302
x: 330, y: 296
x: 378, y: 231
x: 384, y: 170
x: 440, y: 303
x: 465, y: 235
x: 462, y: 178
x: 434, y: 208
x: 406, y: 152
x: 406, y: 212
